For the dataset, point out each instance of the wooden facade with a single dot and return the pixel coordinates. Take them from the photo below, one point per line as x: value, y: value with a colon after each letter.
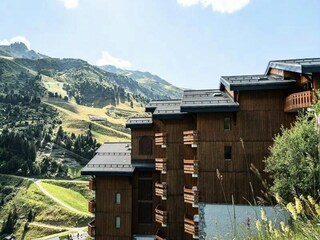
x: 200, y: 153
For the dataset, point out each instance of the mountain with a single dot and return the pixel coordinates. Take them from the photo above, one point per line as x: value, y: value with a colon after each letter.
x: 20, y: 50
x: 150, y: 81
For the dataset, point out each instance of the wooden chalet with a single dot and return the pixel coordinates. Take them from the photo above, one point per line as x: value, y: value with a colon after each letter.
x: 192, y: 158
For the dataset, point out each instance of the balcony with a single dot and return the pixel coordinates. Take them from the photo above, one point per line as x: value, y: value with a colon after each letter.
x: 191, y: 167
x: 92, y: 206
x: 298, y: 101
x: 161, y: 216
x: 92, y: 184
x: 161, y: 165
x: 161, y: 139
x: 191, y: 195
x: 91, y: 229
x: 191, y: 226
x: 161, y: 190
x: 191, y: 137
x: 160, y: 235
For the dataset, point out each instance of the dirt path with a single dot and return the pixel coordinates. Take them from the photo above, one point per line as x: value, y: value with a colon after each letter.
x: 38, y: 182
x: 55, y: 227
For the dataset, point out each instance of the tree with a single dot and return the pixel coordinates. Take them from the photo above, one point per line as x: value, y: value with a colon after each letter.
x: 294, y: 162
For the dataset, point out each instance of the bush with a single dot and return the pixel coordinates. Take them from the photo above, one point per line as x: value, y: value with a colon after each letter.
x: 294, y: 163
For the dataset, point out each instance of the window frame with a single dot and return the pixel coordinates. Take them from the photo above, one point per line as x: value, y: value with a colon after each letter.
x: 229, y: 123
x: 227, y: 152
x: 116, y: 198
x: 117, y: 222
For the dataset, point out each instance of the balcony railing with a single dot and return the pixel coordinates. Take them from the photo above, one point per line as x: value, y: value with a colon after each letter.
x: 298, y: 101
x: 161, y: 216
x: 161, y: 164
x: 91, y: 229
x: 191, y: 226
x: 92, y: 184
x: 161, y: 190
x: 191, y: 167
x: 161, y: 139
x: 160, y: 235
x: 92, y: 206
x: 191, y: 137
x: 191, y: 195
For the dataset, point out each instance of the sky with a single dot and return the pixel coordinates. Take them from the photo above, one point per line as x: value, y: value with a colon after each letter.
x: 190, y: 43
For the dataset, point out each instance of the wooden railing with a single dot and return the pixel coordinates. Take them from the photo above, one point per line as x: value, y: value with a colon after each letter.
x: 191, y: 137
x: 161, y: 139
x: 191, y: 167
x: 161, y: 216
x: 161, y: 190
x: 297, y: 101
x: 161, y: 164
x: 92, y: 206
x: 92, y: 184
x: 191, y: 227
x: 191, y: 195
x: 91, y: 229
x: 160, y: 235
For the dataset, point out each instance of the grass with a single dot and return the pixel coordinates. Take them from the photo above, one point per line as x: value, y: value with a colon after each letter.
x: 77, y: 121
x: 26, y: 195
x: 70, y: 197
x: 78, y: 186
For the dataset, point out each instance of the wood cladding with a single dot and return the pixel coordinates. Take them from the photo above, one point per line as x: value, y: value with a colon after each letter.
x: 141, y: 147
x: 259, y: 119
x: 107, y: 210
x: 139, y: 227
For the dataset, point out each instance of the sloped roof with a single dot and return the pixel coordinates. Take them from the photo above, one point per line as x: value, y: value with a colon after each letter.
x: 256, y: 82
x: 209, y: 100
x: 153, y: 104
x: 303, y: 65
x: 111, y: 159
x: 139, y: 122
x: 165, y: 109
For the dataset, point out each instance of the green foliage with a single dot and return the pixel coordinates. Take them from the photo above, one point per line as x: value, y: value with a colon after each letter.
x: 294, y: 161
x: 27, y: 196
x: 68, y: 196
x: 84, y: 144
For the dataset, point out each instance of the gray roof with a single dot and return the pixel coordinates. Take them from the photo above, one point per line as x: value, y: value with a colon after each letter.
x: 112, y: 147
x: 139, y: 122
x: 166, y: 109
x: 304, y: 65
x: 256, y: 82
x: 111, y: 159
x: 151, y: 106
x: 209, y: 100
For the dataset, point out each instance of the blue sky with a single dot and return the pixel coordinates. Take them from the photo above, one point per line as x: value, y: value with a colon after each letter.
x: 190, y: 43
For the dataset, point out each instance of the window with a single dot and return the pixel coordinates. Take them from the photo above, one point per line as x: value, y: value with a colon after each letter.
x: 227, y: 123
x: 118, y: 222
x: 118, y: 198
x: 227, y: 152
x: 145, y: 195
x: 145, y: 146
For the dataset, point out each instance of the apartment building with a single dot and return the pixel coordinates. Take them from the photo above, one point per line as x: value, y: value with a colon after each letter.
x: 187, y: 168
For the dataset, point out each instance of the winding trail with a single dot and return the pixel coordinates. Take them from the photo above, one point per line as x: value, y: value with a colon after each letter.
x: 38, y: 183
x: 38, y: 224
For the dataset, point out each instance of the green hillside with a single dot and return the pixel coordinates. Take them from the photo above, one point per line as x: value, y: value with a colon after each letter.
x: 24, y: 197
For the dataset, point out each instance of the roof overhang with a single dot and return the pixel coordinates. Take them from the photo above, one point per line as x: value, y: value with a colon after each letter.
x: 263, y: 85
x: 199, y: 109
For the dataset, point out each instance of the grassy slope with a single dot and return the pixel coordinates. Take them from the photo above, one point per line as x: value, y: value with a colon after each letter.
x: 70, y: 197
x: 28, y: 196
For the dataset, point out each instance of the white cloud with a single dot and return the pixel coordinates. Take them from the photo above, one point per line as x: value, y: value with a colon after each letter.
x: 70, y: 4
x: 222, y: 6
x: 108, y: 59
x: 21, y: 39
